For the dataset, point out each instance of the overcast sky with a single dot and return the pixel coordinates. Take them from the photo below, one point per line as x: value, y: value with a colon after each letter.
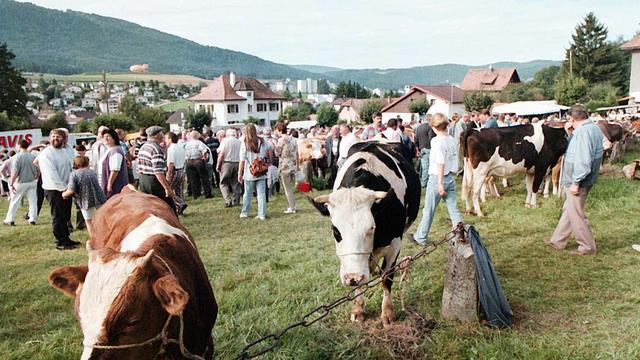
x: 373, y: 33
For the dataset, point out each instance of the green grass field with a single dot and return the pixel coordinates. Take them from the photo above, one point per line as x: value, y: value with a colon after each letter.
x: 267, y: 274
x: 175, y: 79
x: 175, y: 105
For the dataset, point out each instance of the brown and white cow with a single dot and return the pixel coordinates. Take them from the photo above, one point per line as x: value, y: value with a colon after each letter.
x: 531, y: 149
x: 144, y: 280
x: 615, y: 137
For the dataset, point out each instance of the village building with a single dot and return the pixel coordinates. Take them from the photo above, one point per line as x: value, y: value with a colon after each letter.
x: 88, y: 103
x: 350, y: 109
x: 110, y: 107
x: 633, y: 46
x: 74, y: 89
x: 446, y: 99
x: 489, y: 79
x: 231, y: 99
x: 177, y: 120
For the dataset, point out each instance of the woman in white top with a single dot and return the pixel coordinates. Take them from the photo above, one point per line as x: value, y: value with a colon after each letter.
x: 112, y: 169
x: 252, y: 148
x: 443, y: 165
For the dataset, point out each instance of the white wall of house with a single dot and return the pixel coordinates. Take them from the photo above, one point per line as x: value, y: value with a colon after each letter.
x: 348, y: 114
x: 92, y: 103
x: 440, y: 106
x: 222, y: 116
x: 634, y: 83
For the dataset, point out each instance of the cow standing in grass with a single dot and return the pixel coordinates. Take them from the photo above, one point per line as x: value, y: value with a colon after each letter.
x: 145, y: 293
x: 531, y: 149
x: 375, y: 198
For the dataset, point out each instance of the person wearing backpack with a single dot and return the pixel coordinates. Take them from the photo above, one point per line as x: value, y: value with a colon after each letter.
x: 252, y: 172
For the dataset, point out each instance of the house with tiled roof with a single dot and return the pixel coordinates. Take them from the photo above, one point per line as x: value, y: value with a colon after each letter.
x: 446, y: 99
x: 231, y: 99
x: 633, y: 46
x: 489, y: 79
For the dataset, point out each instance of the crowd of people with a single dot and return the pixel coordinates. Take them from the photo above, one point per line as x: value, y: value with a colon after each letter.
x: 246, y: 163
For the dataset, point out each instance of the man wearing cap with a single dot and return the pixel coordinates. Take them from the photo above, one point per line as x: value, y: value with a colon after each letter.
x: 152, y: 166
x: 580, y: 172
x: 227, y: 166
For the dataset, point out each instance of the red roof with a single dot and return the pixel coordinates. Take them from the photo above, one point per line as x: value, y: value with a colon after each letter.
x: 444, y: 92
x: 633, y: 44
x: 489, y: 79
x: 221, y: 89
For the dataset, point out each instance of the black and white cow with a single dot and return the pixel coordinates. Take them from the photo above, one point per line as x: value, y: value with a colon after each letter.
x: 532, y: 149
x: 375, y: 198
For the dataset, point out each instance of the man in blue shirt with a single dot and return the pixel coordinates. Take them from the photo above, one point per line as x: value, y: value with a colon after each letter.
x: 581, y: 165
x: 488, y: 120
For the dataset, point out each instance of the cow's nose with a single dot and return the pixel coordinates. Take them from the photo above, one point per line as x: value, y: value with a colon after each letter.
x: 353, y: 279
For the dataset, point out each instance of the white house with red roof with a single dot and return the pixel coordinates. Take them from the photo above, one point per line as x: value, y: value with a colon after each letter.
x: 489, y: 79
x: 231, y: 99
x: 633, y: 46
x: 446, y: 99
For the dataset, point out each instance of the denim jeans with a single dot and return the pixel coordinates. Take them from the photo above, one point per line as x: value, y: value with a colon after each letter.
x: 424, y: 167
x: 261, y: 187
x: 431, y: 200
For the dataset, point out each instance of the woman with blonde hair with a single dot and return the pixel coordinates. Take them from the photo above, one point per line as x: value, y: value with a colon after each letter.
x: 251, y: 150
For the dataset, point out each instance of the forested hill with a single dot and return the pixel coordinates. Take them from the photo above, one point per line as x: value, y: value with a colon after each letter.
x: 70, y: 42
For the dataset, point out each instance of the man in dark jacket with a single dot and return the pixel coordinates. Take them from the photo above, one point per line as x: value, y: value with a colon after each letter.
x: 332, y: 152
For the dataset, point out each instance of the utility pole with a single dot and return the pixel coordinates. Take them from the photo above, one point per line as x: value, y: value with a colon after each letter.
x: 571, y: 62
x: 106, y: 89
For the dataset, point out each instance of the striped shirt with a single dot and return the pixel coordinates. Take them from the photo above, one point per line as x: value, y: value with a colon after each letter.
x: 194, y: 149
x: 151, y: 159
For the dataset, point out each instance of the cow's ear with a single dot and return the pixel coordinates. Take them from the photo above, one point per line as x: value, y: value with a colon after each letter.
x: 320, y: 203
x: 68, y: 278
x: 171, y: 295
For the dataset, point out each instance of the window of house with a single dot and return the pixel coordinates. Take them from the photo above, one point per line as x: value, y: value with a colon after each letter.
x: 249, y: 94
x: 210, y: 109
x: 432, y: 101
x: 274, y: 107
x: 232, y: 108
x: 249, y: 107
x: 262, y: 107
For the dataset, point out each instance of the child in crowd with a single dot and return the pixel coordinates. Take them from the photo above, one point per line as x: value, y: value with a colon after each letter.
x: 84, y: 186
x: 443, y: 166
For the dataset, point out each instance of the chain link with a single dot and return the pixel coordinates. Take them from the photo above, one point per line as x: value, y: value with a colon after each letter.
x: 252, y: 350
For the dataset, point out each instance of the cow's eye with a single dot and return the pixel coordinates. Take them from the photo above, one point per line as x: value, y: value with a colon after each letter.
x: 336, y: 233
x: 371, y: 230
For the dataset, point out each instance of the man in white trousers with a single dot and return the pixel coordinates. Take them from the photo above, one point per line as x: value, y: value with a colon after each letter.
x: 23, y: 181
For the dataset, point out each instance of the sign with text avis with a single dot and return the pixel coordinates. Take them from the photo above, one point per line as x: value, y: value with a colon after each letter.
x: 11, y: 139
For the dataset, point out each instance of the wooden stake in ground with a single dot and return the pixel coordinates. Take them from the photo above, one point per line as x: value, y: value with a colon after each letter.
x: 460, y: 295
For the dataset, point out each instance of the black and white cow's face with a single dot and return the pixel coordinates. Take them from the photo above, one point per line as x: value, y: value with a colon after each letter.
x: 353, y: 228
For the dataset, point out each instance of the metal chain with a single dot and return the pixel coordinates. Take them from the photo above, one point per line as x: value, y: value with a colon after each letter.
x: 323, y: 310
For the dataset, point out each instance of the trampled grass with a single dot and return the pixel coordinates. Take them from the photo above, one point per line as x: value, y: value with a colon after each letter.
x: 266, y: 275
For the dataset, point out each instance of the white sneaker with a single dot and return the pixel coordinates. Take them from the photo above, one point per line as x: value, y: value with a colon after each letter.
x: 290, y: 211
x: 262, y: 218
x: 243, y: 216
x: 636, y: 247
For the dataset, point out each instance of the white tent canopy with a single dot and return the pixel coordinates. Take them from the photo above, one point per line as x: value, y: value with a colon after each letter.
x: 305, y: 124
x: 525, y: 108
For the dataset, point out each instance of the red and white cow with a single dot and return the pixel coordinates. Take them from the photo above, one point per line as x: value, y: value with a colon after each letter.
x: 145, y: 293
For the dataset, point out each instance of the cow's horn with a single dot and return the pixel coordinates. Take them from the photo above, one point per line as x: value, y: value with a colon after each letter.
x: 379, y: 195
x: 89, y: 247
x: 322, y: 199
x: 147, y: 257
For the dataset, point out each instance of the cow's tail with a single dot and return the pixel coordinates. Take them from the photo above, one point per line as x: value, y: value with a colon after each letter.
x: 467, y: 177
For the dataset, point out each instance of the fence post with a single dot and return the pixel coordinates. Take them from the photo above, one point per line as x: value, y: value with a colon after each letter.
x: 460, y: 294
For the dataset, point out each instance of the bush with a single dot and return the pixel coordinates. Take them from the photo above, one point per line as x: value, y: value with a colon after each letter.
x: 369, y: 108
x: 327, y: 115
x: 55, y: 122
x: 116, y: 121
x: 420, y: 106
x: 198, y: 120
x: 147, y: 117
x: 570, y: 90
x: 477, y: 100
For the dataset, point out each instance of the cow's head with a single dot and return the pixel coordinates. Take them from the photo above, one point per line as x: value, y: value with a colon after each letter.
x: 353, y: 228
x: 120, y: 299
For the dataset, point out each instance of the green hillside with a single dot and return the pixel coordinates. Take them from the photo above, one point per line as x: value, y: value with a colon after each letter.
x: 71, y: 42
x: 433, y: 74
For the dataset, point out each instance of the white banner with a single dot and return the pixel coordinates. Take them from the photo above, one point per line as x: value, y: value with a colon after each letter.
x: 11, y: 139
